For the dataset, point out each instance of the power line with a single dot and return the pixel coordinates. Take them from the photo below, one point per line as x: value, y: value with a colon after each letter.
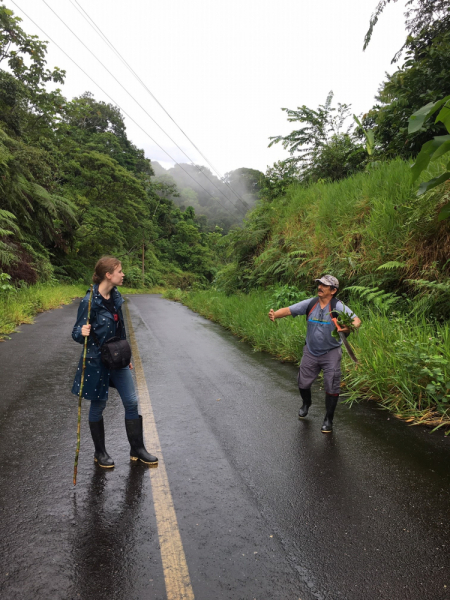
x: 100, y: 33
x: 112, y: 100
x: 134, y: 99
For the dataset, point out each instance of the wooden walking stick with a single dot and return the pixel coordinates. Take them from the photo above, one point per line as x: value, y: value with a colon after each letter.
x: 77, y: 452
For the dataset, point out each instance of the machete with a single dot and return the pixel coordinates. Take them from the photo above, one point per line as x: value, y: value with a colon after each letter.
x: 345, y: 342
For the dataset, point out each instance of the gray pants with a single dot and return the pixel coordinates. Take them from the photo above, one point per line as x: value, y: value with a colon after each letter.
x: 311, y: 365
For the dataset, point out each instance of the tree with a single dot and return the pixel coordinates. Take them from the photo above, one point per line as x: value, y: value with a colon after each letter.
x: 27, y: 191
x: 25, y: 55
x: 100, y: 127
x: 321, y: 138
x: 246, y: 183
x: 423, y: 78
x: 424, y: 20
x: 433, y: 149
x: 339, y: 158
x: 110, y: 203
x: 277, y: 179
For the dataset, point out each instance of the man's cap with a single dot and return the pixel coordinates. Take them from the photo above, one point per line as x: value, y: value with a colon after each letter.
x: 328, y: 280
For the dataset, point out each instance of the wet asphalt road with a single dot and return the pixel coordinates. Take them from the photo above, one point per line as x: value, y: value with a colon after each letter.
x: 267, y: 506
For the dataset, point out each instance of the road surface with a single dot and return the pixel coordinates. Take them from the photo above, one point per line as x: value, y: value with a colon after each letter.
x: 248, y: 502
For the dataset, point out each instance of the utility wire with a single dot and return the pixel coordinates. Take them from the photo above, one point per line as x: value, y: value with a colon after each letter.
x: 124, y: 112
x: 100, y: 33
x: 134, y: 99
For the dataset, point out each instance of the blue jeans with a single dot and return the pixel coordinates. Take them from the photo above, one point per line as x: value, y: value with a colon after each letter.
x: 124, y: 384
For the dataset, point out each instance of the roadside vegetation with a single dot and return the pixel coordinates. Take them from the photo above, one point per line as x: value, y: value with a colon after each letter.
x: 20, y: 305
x: 404, y: 359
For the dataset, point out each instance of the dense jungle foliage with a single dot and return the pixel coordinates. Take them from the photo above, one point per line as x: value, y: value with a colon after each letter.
x: 73, y: 186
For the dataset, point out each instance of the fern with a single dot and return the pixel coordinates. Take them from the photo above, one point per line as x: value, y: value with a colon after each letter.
x: 381, y: 299
x: 432, y: 298
x: 391, y: 265
x: 433, y: 286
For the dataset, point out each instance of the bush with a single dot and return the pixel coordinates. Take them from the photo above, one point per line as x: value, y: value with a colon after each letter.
x: 184, y: 280
x: 230, y: 279
x: 286, y: 295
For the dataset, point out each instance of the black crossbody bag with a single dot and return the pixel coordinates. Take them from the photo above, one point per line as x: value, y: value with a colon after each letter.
x: 115, y: 352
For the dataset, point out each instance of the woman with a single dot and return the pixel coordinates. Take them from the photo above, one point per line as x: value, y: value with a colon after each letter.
x: 106, y: 321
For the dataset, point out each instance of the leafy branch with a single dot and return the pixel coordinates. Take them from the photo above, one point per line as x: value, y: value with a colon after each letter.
x: 433, y: 149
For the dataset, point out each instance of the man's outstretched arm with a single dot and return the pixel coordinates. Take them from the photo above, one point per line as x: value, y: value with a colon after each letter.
x: 280, y: 313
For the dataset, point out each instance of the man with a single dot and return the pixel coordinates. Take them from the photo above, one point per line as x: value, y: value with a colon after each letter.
x: 322, y: 351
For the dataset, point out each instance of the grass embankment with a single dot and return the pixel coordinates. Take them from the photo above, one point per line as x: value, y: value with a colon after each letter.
x: 349, y: 228
x: 22, y: 305
x: 404, y: 364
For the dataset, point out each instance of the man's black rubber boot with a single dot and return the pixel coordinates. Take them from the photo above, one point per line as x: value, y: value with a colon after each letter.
x: 136, y: 439
x: 306, y: 397
x: 330, y: 404
x: 101, y: 457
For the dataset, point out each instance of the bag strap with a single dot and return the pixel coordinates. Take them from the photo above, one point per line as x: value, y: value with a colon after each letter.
x: 333, y: 305
x: 311, y: 306
x: 314, y: 302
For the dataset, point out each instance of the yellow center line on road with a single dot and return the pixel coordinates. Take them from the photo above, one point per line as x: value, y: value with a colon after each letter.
x: 176, y: 574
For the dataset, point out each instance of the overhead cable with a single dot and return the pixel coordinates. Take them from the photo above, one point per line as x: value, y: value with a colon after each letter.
x: 116, y: 103
x: 134, y: 99
x: 100, y: 33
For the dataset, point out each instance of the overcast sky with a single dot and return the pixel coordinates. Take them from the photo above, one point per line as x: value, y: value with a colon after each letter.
x: 222, y: 70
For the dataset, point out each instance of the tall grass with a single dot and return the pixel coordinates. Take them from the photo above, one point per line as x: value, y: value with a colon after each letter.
x: 350, y: 228
x: 404, y: 363
x: 22, y: 305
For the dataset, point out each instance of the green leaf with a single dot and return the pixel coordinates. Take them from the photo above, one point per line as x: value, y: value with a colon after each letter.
x: 369, y: 134
x: 392, y: 264
x: 445, y: 147
x: 427, y: 153
x: 445, y: 212
x: 432, y: 183
x: 423, y: 159
x: 370, y: 141
x: 417, y: 119
x: 444, y: 117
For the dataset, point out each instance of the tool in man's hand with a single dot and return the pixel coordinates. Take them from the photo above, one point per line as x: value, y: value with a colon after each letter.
x: 341, y: 333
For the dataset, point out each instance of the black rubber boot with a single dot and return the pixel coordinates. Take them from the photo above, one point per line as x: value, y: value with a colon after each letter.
x: 136, y: 439
x: 330, y: 403
x: 101, y: 457
x: 306, y: 397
